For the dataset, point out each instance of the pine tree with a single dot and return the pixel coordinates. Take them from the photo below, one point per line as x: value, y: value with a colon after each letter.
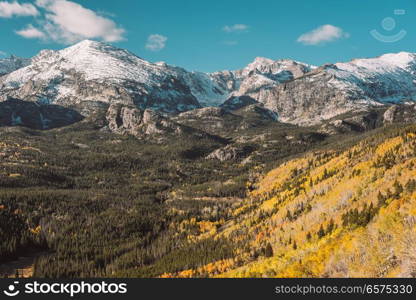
x: 411, y: 186
x: 321, y: 232
x: 330, y: 227
x: 381, y: 199
x: 398, y: 189
x: 268, y: 252
x: 289, y: 215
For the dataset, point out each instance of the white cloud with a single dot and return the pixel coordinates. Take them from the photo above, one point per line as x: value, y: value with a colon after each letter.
x: 15, y: 9
x: 156, y: 42
x: 235, y: 28
x: 69, y: 22
x: 323, y: 34
x: 31, y: 32
x: 63, y: 21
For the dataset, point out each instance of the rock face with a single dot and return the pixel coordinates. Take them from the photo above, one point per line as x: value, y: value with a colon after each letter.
x: 332, y: 90
x: 305, y: 101
x: 230, y: 152
x: 213, y: 120
x: 358, y: 123
x: 259, y: 112
x: 237, y: 102
x: 218, y: 121
x: 14, y: 112
x: 400, y: 114
x: 309, y: 95
x: 131, y: 120
x: 147, y: 124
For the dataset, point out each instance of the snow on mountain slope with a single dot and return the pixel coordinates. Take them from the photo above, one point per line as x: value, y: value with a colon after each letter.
x: 388, y: 78
x: 264, y: 72
x: 334, y: 89
x: 298, y: 93
x: 270, y: 67
x: 209, y: 90
x: 93, y: 71
x: 8, y: 65
x: 95, y: 61
x: 261, y: 73
x: 213, y: 89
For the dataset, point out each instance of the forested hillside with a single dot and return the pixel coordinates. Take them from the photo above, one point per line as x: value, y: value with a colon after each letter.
x: 295, y: 204
x: 329, y: 213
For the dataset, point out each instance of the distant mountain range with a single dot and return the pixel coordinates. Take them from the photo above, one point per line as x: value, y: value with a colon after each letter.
x: 92, y: 72
x: 12, y: 63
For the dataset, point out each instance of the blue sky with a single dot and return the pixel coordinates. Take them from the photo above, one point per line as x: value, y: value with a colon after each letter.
x: 212, y: 35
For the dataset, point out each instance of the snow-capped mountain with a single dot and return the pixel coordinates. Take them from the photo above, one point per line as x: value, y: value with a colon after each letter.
x: 265, y: 73
x: 298, y: 93
x: 388, y: 78
x: 93, y: 71
x: 8, y: 65
x: 334, y: 89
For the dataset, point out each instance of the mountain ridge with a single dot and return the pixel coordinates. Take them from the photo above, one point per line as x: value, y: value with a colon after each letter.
x: 296, y: 92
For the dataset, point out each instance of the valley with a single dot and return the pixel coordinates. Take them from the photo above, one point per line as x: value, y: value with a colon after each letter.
x: 118, y: 167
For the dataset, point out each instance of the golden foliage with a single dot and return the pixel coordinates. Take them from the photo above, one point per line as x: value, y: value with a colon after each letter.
x: 326, y: 214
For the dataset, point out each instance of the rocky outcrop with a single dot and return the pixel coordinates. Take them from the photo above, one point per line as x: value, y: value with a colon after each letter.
x: 359, y: 122
x: 148, y: 124
x: 238, y: 102
x: 130, y: 120
x: 256, y: 111
x: 213, y: 120
x: 230, y: 152
x: 306, y: 101
x: 218, y: 121
x: 400, y: 114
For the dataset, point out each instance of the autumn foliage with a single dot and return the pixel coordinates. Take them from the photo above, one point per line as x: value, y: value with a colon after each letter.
x: 349, y: 213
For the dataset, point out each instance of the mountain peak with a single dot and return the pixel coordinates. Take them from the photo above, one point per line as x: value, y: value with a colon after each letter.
x: 263, y: 60
x: 400, y: 59
x: 89, y: 43
x: 92, y: 46
x: 268, y: 66
x: 258, y: 63
x: 389, y: 60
